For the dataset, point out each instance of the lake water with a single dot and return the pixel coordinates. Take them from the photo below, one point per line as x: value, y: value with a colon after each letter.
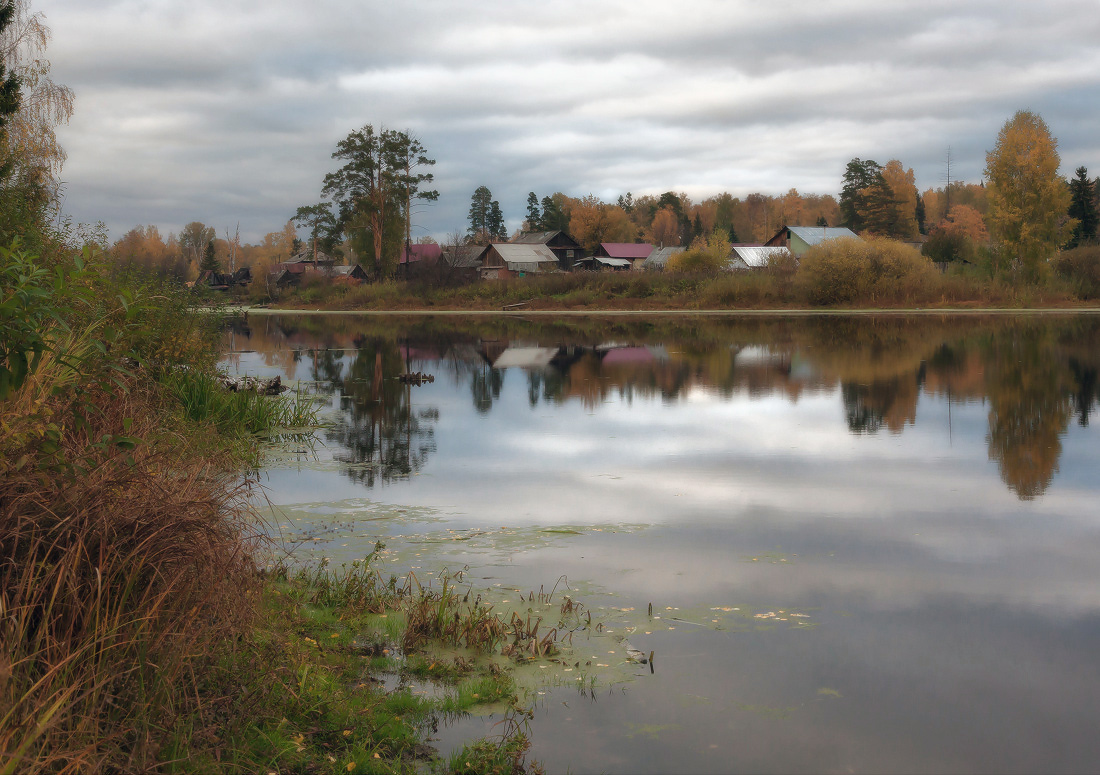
x: 871, y: 544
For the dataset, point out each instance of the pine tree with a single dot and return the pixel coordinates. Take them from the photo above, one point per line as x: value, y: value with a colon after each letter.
x: 496, y: 227
x: 534, y: 217
x: 879, y: 211
x: 1082, y: 207
x: 859, y: 175
x: 209, y: 259
x: 553, y: 219
x: 480, y: 203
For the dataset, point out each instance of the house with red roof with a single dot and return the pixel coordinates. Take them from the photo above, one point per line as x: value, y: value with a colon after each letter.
x: 428, y: 251
x: 634, y: 252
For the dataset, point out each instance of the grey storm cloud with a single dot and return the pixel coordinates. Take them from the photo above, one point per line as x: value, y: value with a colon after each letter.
x: 229, y: 111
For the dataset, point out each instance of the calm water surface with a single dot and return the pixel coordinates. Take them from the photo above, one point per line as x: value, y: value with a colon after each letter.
x: 871, y: 544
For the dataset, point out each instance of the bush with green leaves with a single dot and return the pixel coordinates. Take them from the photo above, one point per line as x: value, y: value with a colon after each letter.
x: 36, y: 303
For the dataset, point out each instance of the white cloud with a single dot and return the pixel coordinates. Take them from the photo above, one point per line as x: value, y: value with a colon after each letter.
x: 229, y: 111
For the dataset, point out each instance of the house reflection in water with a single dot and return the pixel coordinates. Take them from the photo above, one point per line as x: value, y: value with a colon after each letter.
x: 1034, y: 377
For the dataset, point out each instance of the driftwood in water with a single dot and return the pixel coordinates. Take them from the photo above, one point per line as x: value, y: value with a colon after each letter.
x: 272, y: 386
x: 416, y: 378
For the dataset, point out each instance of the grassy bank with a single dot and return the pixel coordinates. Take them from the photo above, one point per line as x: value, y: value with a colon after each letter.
x: 136, y: 631
x: 841, y: 275
x: 338, y: 674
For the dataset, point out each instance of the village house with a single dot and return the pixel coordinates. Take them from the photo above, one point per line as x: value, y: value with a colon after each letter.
x: 799, y: 239
x: 223, y: 281
x: 427, y: 253
x: 602, y: 264
x: 567, y: 250
x: 633, y: 252
x: 307, y: 259
x: 352, y: 272
x: 658, y: 259
x: 754, y: 256
x: 509, y: 259
x: 464, y: 262
x: 305, y: 264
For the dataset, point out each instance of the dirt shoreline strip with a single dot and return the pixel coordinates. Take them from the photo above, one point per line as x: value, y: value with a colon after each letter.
x: 676, y: 312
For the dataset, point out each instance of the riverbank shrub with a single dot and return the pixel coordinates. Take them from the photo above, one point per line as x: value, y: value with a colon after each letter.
x: 126, y: 566
x: 1080, y: 267
x: 873, y: 271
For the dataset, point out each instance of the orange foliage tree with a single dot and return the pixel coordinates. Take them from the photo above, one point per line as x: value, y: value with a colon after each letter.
x: 592, y: 221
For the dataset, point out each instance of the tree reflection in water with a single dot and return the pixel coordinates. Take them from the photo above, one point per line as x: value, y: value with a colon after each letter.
x: 1030, y: 388
x: 1033, y: 374
x: 381, y: 435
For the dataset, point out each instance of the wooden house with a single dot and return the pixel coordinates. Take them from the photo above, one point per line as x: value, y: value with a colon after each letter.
x: 799, y: 239
x: 744, y: 257
x: 349, y: 273
x: 223, y: 281
x: 567, y: 250
x: 603, y: 264
x: 658, y: 259
x: 463, y: 262
x: 509, y: 259
x: 634, y: 252
x: 307, y: 259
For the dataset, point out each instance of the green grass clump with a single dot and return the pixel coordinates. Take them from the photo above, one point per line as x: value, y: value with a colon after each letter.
x: 203, y: 398
x: 307, y: 698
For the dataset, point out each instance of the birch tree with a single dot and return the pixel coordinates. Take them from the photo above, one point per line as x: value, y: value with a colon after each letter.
x: 1028, y: 199
x: 45, y: 104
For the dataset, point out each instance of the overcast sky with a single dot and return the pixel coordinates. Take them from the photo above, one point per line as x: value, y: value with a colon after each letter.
x: 229, y: 111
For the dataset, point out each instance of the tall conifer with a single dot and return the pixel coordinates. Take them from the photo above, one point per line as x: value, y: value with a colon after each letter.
x: 1082, y: 207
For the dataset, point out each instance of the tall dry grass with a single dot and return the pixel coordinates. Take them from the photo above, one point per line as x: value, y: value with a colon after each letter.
x: 124, y: 568
x: 125, y: 565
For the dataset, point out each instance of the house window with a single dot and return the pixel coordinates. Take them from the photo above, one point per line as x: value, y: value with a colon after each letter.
x: 569, y: 254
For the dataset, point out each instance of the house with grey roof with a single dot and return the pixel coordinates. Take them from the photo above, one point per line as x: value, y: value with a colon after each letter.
x: 602, y: 264
x: 509, y: 259
x: 754, y: 256
x: 658, y: 259
x: 352, y: 272
x: 318, y: 259
x: 799, y: 239
x: 567, y: 249
x: 464, y: 261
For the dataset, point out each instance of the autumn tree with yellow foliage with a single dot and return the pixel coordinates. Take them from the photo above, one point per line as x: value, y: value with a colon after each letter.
x: 1027, y: 197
